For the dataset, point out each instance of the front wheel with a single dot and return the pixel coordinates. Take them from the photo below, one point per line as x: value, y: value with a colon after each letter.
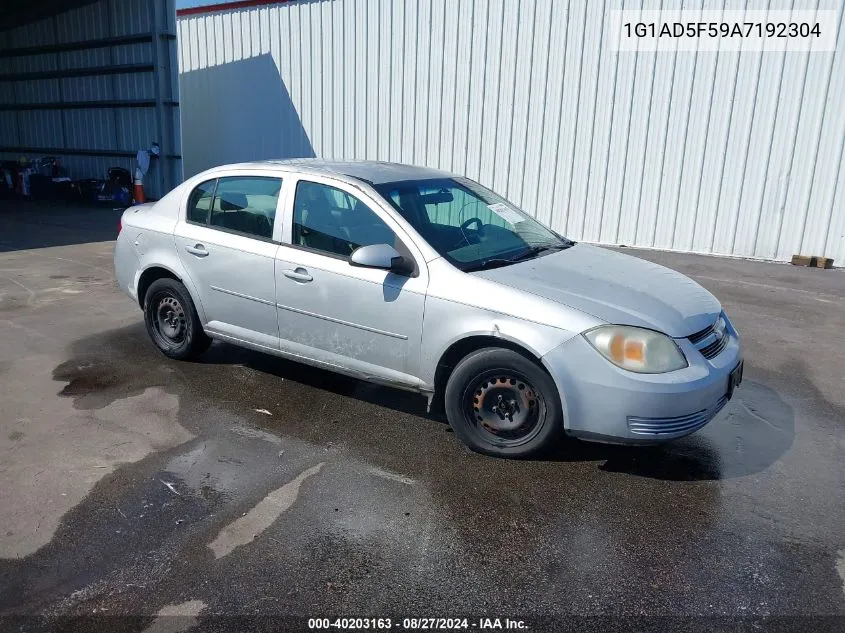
x: 501, y: 403
x: 172, y: 321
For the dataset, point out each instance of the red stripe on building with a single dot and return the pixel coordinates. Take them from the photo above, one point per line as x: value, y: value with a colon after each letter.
x: 225, y: 6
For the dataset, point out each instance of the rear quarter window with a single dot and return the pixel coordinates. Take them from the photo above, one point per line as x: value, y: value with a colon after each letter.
x: 199, y: 204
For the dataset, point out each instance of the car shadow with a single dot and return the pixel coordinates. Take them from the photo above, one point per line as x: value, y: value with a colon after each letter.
x: 749, y: 434
x: 406, y: 402
x: 687, y: 459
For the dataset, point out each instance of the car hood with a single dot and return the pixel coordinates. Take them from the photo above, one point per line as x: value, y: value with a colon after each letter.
x: 614, y: 287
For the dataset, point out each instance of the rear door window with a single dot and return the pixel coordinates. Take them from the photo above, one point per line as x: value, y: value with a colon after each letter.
x: 237, y: 204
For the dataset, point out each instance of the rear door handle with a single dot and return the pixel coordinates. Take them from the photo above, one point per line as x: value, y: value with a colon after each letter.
x: 198, y: 250
x: 300, y: 274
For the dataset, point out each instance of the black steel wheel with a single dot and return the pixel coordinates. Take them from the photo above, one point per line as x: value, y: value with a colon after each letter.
x: 504, y: 405
x: 169, y: 322
x: 501, y: 403
x: 172, y: 321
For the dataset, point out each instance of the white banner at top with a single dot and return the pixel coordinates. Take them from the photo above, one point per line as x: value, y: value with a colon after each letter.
x: 717, y: 30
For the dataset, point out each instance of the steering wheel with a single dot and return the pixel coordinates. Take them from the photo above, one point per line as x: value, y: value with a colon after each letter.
x: 465, y: 225
x: 477, y: 221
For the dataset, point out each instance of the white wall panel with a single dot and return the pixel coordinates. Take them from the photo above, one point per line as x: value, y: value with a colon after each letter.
x: 737, y: 153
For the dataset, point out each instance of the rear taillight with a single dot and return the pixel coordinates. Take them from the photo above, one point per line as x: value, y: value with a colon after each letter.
x: 119, y: 225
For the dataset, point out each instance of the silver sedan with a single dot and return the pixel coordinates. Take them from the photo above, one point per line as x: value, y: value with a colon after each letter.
x: 427, y: 281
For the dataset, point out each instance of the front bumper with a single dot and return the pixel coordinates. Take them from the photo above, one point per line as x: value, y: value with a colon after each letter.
x: 603, y: 402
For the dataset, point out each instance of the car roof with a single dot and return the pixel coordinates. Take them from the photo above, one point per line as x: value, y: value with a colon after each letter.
x: 370, y: 171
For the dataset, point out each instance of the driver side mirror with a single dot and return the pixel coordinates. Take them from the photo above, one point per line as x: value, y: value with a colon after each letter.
x: 382, y: 256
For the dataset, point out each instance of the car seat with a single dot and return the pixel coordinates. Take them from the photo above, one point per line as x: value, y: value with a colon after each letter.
x: 315, y: 226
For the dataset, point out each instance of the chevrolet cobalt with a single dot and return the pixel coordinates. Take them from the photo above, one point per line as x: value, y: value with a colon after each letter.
x: 427, y: 281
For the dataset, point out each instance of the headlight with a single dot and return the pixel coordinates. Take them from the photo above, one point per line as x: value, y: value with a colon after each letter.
x: 636, y: 349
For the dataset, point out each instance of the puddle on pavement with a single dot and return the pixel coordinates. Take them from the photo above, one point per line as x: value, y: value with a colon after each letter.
x: 59, y: 452
x: 221, y: 465
x: 85, y: 382
x: 402, y: 487
x: 106, y: 371
x: 754, y: 430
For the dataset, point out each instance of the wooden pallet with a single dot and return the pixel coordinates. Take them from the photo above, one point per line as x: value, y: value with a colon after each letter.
x: 813, y: 261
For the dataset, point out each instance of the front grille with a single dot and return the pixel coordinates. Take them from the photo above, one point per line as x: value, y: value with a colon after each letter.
x: 715, y: 348
x: 656, y: 427
x: 703, y: 334
x: 711, y: 340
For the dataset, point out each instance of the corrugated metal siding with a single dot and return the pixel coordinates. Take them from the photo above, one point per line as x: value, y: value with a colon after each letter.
x: 124, y: 129
x: 729, y: 153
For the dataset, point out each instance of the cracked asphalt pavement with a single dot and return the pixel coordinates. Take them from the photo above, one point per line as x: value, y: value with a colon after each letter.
x: 243, y: 491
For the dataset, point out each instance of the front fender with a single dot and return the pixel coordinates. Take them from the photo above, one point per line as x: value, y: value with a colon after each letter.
x: 447, y: 322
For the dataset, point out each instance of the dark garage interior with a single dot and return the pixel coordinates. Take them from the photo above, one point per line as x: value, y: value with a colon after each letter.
x: 83, y: 87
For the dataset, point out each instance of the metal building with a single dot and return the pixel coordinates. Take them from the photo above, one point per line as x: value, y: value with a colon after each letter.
x: 713, y: 152
x: 91, y: 83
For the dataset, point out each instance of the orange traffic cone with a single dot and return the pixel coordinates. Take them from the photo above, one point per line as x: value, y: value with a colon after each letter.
x: 138, y: 189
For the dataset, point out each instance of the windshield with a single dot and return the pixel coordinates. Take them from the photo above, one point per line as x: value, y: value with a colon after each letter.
x: 469, y: 225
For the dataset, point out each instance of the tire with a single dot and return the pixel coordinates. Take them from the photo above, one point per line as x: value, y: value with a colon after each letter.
x: 502, y: 404
x: 172, y: 321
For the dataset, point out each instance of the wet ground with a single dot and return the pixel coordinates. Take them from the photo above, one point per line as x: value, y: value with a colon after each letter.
x: 133, y: 486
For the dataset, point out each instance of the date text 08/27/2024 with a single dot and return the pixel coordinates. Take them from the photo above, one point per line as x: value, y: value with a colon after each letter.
x: 417, y: 624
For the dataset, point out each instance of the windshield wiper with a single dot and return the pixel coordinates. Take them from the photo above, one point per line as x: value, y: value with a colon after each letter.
x: 533, y: 251
x: 529, y: 253
x: 493, y: 262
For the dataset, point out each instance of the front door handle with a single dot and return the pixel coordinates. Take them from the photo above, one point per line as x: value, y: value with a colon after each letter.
x: 198, y: 250
x: 300, y: 274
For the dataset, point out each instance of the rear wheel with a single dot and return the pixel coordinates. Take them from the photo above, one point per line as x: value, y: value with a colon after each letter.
x: 172, y: 321
x: 501, y: 403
